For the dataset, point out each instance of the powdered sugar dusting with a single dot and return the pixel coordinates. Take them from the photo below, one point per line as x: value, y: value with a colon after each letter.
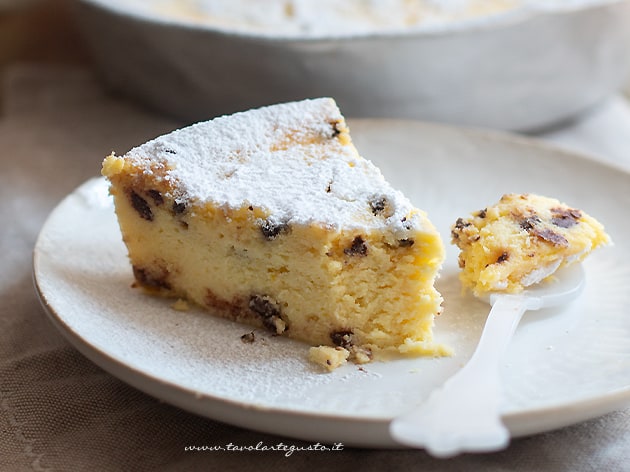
x: 286, y: 159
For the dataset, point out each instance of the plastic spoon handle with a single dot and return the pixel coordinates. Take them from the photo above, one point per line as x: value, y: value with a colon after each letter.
x: 463, y: 415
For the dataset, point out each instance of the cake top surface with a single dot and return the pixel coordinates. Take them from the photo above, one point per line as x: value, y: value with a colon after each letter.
x: 294, y: 160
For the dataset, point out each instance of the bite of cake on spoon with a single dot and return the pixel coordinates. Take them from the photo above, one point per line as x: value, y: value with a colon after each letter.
x: 522, y: 240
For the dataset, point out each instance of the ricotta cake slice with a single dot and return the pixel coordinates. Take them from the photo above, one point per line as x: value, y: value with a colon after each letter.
x: 521, y: 240
x: 270, y: 217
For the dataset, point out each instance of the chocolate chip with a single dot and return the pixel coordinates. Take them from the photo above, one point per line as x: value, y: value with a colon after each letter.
x: 141, y: 206
x: 503, y: 257
x: 406, y: 242
x: 269, y: 311
x: 551, y: 236
x: 378, y: 205
x: 271, y: 229
x: 156, y: 196
x: 179, y: 207
x: 458, y: 228
x: 342, y: 338
x: 358, y: 248
x: 565, y: 217
x: 461, y: 224
x: 482, y: 213
x: 150, y: 279
x: 335, y: 128
x: 529, y: 223
x: 248, y: 338
x: 263, y: 305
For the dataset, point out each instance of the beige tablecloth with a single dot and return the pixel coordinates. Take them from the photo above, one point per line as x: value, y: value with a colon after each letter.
x: 60, y: 412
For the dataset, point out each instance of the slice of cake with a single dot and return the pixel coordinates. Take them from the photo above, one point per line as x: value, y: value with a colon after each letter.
x: 522, y: 240
x: 270, y: 217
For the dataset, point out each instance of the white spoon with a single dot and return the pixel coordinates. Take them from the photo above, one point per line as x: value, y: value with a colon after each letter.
x: 464, y: 414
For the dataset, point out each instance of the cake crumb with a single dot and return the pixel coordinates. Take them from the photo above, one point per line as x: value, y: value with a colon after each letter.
x: 328, y: 357
x: 248, y: 338
x: 361, y: 355
x: 180, y: 305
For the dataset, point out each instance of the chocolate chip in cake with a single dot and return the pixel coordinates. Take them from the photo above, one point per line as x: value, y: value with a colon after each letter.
x: 461, y: 224
x: 482, y: 213
x: 529, y: 223
x: 357, y: 248
x: 272, y: 229
x: 458, y: 229
x: 406, y: 242
x: 141, y: 206
x: 150, y: 279
x: 381, y: 206
x: 551, y: 236
x: 378, y: 205
x: 269, y: 311
x: 533, y: 225
x: 179, y: 207
x: 565, y: 217
x: 342, y: 338
x: 503, y: 257
x: 335, y: 129
x: 156, y: 197
x: 263, y: 305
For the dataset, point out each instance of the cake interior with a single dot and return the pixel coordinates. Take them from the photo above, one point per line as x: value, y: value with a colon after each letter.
x: 236, y: 267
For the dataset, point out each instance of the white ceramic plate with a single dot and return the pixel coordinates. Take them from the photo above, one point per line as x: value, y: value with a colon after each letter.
x: 563, y: 366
